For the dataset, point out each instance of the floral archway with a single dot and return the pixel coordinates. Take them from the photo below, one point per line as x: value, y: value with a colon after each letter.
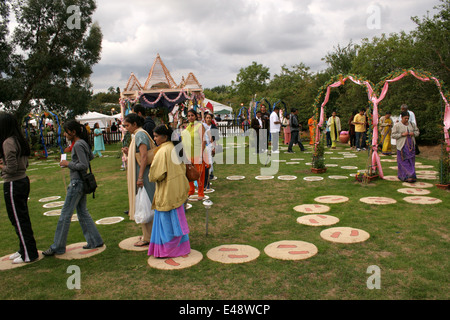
x: 375, y: 95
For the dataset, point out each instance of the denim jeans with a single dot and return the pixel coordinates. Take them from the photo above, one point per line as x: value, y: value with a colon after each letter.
x: 75, y: 199
x: 360, y: 140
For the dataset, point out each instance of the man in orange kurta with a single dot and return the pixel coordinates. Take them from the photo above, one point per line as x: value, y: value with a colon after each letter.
x: 312, y: 123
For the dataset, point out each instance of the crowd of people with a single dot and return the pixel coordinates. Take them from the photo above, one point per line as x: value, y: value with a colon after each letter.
x: 156, y: 162
x: 164, y: 180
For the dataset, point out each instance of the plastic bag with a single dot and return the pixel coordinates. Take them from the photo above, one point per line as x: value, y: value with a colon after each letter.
x: 143, y: 212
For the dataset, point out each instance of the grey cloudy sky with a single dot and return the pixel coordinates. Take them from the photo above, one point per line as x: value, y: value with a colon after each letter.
x: 215, y: 38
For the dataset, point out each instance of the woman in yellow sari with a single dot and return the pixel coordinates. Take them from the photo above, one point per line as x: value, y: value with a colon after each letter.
x: 334, y: 123
x: 386, y: 124
x: 194, y: 147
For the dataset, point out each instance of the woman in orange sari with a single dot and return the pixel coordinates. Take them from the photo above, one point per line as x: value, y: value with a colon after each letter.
x: 194, y: 146
x: 312, y: 123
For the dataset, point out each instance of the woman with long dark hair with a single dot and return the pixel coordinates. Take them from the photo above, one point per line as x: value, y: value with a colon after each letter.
x: 193, y: 138
x: 138, y: 169
x: 170, y: 233
x: 14, y: 153
x: 76, y: 198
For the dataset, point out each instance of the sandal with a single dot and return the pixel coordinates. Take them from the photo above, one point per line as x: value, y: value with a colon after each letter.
x: 141, y: 243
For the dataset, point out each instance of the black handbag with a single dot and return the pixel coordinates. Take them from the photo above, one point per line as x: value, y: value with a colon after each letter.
x: 89, y: 182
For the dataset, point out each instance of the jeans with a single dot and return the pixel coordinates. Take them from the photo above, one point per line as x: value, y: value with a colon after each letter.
x: 295, y: 139
x: 75, y: 199
x: 360, y: 140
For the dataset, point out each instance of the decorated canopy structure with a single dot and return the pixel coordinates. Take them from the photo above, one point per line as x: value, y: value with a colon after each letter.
x: 160, y: 90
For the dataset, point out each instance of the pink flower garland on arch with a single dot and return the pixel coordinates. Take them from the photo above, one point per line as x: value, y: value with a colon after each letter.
x: 201, y: 96
x: 376, y: 100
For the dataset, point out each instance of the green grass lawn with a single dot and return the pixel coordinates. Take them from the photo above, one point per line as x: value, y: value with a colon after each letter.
x: 408, y: 242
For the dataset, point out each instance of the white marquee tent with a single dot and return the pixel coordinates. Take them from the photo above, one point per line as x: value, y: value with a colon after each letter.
x: 93, y: 117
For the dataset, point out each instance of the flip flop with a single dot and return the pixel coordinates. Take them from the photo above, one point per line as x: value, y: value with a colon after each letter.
x: 141, y: 243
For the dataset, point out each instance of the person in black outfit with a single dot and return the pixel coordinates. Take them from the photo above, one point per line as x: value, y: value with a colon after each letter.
x: 257, y: 124
x: 295, y: 131
x: 149, y: 125
x: 14, y: 152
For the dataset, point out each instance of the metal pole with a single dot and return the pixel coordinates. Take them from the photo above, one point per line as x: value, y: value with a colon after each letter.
x: 206, y: 221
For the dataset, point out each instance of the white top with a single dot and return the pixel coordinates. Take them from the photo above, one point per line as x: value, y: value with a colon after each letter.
x: 274, y: 127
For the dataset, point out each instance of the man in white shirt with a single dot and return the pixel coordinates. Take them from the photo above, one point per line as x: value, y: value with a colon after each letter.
x: 412, y: 116
x: 275, y: 125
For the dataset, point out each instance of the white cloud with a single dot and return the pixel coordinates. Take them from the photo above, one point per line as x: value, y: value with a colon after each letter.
x: 215, y: 38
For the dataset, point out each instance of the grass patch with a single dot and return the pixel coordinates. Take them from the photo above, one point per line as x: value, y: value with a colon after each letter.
x: 409, y: 243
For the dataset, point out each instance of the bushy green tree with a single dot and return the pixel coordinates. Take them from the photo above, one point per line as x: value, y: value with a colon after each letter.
x: 55, y: 46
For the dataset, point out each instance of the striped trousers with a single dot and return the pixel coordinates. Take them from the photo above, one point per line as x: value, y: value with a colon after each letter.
x: 16, y: 197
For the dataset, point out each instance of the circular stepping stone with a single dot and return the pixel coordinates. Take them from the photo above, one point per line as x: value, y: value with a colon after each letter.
x: 391, y: 178
x: 414, y: 191
x: 312, y: 208
x: 313, y: 178
x: 293, y: 162
x: 297, y: 159
x: 109, y: 220
x: 337, y: 177
x: 344, y: 235
x: 349, y: 167
x: 128, y: 244
x: 235, y: 177
x: 422, y: 200
x: 76, y: 251
x: 378, y: 200
x: 317, y: 220
x: 291, y: 250
x: 331, y: 199
x: 194, y: 197
x: 50, y: 199
x: 209, y: 191
x: 418, y: 185
x: 264, y: 177
x: 6, y: 264
x: 177, y: 263
x: 233, y: 253
x: 336, y: 158
x: 426, y: 177
x: 331, y: 165
x: 53, y: 213
x: 288, y: 178
x: 422, y: 166
x: 278, y: 160
x: 388, y: 160
x: 53, y: 204
x: 427, y: 172
x: 393, y: 168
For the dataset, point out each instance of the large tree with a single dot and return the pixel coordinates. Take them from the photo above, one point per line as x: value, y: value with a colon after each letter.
x: 55, y: 46
x: 251, y: 80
